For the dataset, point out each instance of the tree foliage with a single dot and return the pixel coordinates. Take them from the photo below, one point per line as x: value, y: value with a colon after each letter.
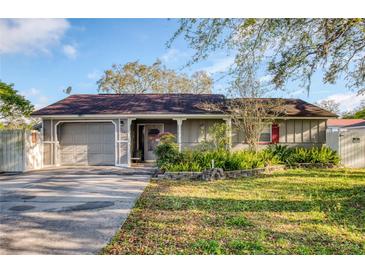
x: 330, y: 105
x: 134, y: 77
x: 251, y: 115
x: 287, y: 49
x: 358, y: 113
x: 14, y: 108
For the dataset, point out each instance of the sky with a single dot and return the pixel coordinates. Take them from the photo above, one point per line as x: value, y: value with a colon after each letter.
x: 42, y: 57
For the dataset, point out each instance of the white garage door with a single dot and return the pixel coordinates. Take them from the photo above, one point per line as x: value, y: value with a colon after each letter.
x: 87, y: 144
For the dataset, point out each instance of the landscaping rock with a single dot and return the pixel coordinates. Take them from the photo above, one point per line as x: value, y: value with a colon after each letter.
x: 213, y: 174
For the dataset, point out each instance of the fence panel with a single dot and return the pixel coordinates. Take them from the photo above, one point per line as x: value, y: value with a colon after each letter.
x: 352, y: 148
x: 12, y: 150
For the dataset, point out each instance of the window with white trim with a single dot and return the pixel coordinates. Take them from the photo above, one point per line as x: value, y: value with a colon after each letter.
x: 266, y: 134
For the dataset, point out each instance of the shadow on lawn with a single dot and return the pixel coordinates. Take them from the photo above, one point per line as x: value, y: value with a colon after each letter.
x: 322, y: 173
x: 344, y: 206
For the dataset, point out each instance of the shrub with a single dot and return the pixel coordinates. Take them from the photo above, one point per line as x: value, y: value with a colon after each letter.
x: 281, y: 152
x: 201, y: 160
x: 206, y: 158
x: 322, y: 155
x: 183, y: 166
x: 167, y: 151
x: 170, y: 159
x: 291, y: 156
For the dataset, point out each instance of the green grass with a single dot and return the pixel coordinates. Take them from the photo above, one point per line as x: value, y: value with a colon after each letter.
x: 290, y: 212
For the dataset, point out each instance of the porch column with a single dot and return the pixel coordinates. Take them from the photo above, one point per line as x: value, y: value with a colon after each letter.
x: 229, y: 132
x: 129, y: 123
x: 179, y: 125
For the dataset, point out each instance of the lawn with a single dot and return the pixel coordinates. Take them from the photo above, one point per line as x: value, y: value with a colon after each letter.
x: 289, y: 212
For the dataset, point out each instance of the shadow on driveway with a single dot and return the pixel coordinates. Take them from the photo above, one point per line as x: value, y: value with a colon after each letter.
x: 66, y: 211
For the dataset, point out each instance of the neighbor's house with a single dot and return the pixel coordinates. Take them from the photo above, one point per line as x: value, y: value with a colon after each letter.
x: 336, y: 124
x: 117, y: 129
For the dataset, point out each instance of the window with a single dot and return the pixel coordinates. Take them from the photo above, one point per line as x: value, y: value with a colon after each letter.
x: 202, y: 137
x: 265, y: 136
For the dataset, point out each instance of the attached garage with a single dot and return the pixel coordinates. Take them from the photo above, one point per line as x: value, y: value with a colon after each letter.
x: 91, y: 143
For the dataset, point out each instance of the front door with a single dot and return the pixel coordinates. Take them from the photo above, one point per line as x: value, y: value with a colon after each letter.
x: 151, y: 141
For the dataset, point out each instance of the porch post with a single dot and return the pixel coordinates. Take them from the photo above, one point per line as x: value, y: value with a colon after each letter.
x: 229, y: 132
x: 129, y: 123
x: 179, y: 125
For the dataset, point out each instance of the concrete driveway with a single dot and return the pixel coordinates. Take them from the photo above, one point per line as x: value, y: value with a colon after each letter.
x: 66, y: 211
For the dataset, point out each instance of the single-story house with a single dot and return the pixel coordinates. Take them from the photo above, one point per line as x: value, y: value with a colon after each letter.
x: 115, y: 129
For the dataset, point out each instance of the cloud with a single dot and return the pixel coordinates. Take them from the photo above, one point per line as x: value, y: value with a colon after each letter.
x: 41, y: 102
x: 219, y: 65
x: 94, y: 75
x: 35, y: 96
x: 31, y: 92
x: 70, y: 51
x: 30, y: 35
x: 173, y: 56
x: 348, y: 101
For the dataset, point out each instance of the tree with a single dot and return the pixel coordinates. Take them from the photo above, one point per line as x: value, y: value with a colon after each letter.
x: 358, y: 113
x: 249, y: 113
x: 14, y: 108
x: 217, y: 138
x: 330, y: 105
x: 286, y: 49
x: 134, y: 77
x: 282, y: 50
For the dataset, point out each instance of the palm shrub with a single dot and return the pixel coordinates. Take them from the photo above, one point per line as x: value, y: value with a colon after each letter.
x: 291, y: 156
x: 323, y: 155
x: 170, y: 159
x: 205, y: 159
x: 282, y: 153
x: 183, y: 166
x: 300, y: 155
x: 268, y: 158
x: 314, y: 155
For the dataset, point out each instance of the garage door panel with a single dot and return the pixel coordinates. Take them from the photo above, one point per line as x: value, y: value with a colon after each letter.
x: 94, y: 128
x: 100, y: 159
x: 108, y: 149
x: 98, y: 148
x: 79, y: 138
x: 87, y: 144
x: 95, y: 138
x: 108, y: 158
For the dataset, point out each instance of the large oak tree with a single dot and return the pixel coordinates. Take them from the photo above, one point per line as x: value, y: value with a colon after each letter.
x: 286, y: 49
x: 134, y: 77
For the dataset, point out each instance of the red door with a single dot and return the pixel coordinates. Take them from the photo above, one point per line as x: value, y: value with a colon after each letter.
x: 275, y: 134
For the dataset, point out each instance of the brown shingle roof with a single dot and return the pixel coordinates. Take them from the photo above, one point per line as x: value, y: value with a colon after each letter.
x: 82, y: 104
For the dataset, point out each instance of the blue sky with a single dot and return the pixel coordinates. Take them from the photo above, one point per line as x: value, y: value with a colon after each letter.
x: 44, y: 56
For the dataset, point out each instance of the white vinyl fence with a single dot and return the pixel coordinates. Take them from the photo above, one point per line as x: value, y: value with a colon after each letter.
x: 20, y: 150
x: 350, y: 145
